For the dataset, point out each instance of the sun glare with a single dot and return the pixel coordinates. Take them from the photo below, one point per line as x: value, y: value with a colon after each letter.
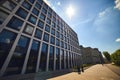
x: 70, y: 11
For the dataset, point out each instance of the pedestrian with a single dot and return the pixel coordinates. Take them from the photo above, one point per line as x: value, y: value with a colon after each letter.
x: 82, y: 68
x: 78, y: 68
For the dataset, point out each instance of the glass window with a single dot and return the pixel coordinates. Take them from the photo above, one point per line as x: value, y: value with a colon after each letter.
x: 15, y: 23
x: 26, y: 5
x: 44, y: 11
x: 42, y: 16
x: 3, y: 16
x: 62, y: 44
x: 47, y: 28
x: 32, y: 1
x: 53, y: 24
x: 8, y: 5
x: 53, y: 31
x: 46, y: 37
x: 40, y: 1
x: 54, y: 19
x: 38, y: 33
x: 58, y: 28
x: 28, y: 29
x: 57, y: 58
x: 52, y: 40
x: 57, y: 34
x: 48, y: 21
x: 50, y: 10
x: 62, y: 59
x: 57, y: 42
x: 17, y: 60
x: 32, y: 61
x: 37, y: 5
x: 35, y: 11
x: 43, y: 58
x: 7, y: 39
x: 49, y: 15
x: 32, y: 19
x: 45, y: 6
x: 66, y: 57
x: 51, y: 58
x: 65, y: 46
x: 41, y: 24
x: 22, y: 13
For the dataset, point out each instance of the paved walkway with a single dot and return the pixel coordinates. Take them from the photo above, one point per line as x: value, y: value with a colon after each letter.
x: 96, y: 72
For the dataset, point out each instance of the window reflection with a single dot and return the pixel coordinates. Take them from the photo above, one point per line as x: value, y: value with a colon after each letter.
x: 8, y: 5
x: 22, y: 13
x: 32, y: 61
x: 3, y: 16
x: 57, y: 58
x: 7, y: 39
x: 46, y: 37
x: 51, y: 58
x: 26, y: 5
x: 43, y: 57
x: 38, y: 33
x: 17, y: 60
x: 15, y: 23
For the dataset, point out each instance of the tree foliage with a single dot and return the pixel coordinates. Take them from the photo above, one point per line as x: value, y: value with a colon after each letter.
x: 116, y: 57
x: 107, y: 55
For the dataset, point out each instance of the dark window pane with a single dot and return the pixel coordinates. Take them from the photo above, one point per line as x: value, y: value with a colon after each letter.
x: 46, y: 37
x: 48, y: 21
x: 51, y: 58
x: 17, y: 60
x: 40, y: 1
x: 42, y: 17
x: 32, y: 19
x: 7, y: 39
x: 57, y: 42
x: 47, y: 28
x: 35, y: 11
x: 22, y: 13
x: 52, y: 40
x: 44, y: 11
x: 57, y: 34
x: 32, y: 1
x: 66, y: 59
x: 45, y: 6
x: 53, y: 31
x: 29, y: 29
x: 43, y: 58
x: 38, y: 5
x: 15, y: 23
x: 8, y: 5
x: 32, y: 61
x: 49, y: 15
x: 62, y: 59
x: 57, y: 58
x: 41, y: 24
x: 38, y: 33
x: 3, y: 16
x: 26, y: 5
x: 53, y: 24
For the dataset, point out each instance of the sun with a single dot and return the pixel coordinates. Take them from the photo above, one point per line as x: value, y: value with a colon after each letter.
x: 70, y: 11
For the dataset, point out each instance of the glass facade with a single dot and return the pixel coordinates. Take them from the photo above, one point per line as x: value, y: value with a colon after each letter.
x: 34, y: 38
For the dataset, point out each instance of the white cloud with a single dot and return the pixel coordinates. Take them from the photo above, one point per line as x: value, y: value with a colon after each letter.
x: 117, y: 40
x: 117, y: 4
x: 58, y: 3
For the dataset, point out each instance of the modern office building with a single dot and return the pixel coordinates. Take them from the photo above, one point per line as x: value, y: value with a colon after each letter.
x: 33, y: 38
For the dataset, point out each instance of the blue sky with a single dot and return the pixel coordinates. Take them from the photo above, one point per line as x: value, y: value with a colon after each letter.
x: 97, y: 22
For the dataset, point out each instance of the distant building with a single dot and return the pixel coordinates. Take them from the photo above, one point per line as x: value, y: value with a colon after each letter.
x: 90, y: 55
x: 33, y: 38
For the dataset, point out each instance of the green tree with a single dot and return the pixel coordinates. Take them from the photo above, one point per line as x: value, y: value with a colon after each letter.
x: 107, y: 55
x: 116, y: 57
